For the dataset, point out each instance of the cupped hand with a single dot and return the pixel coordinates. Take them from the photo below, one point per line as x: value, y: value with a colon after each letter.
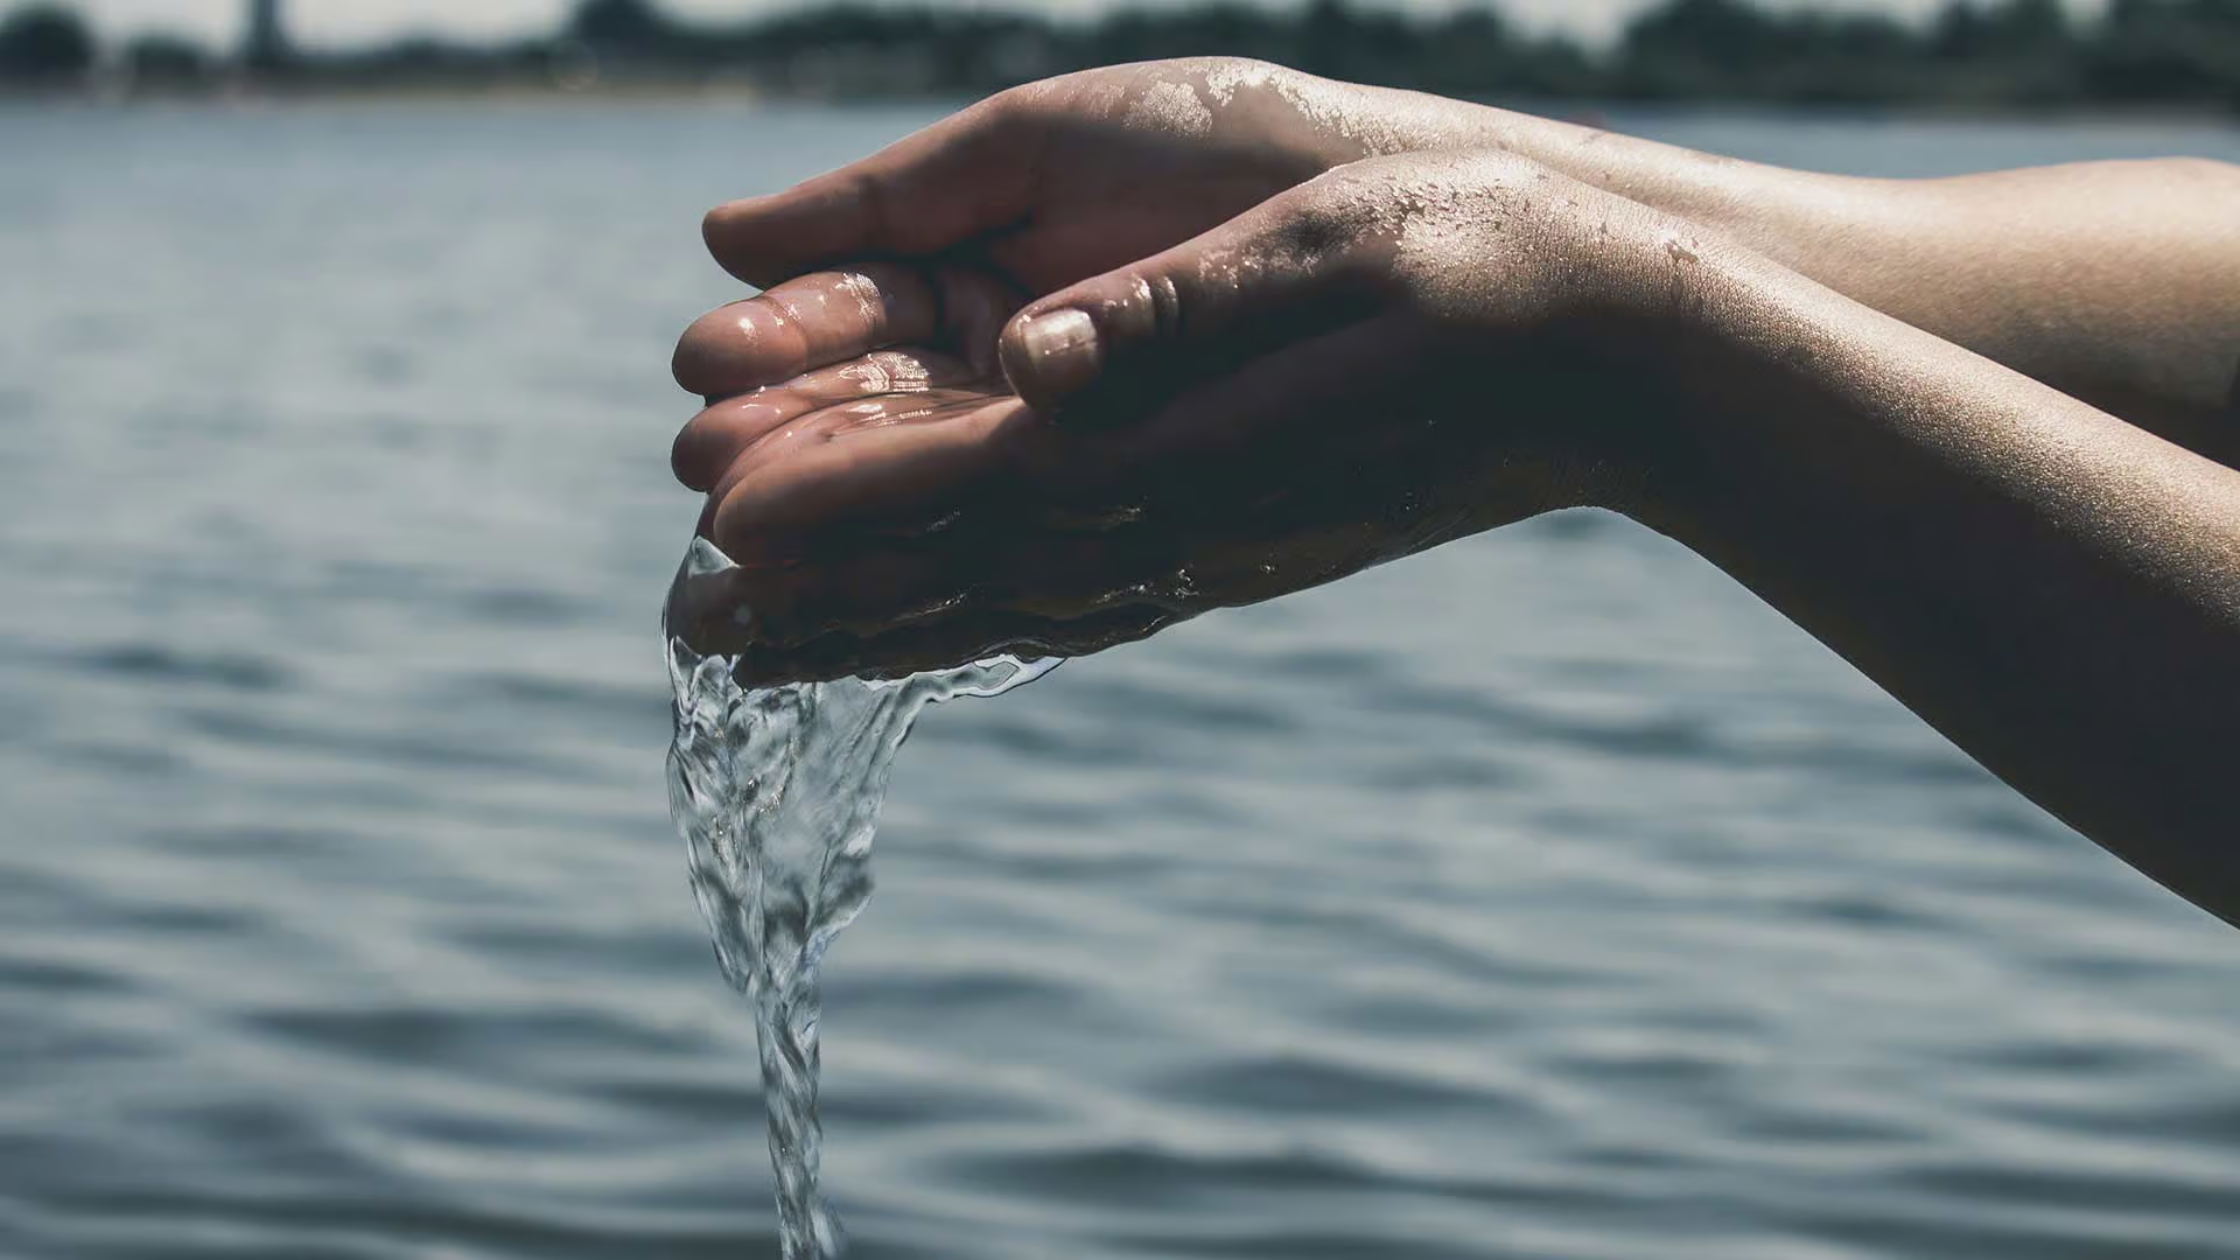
x: 1057, y: 180
x: 1396, y: 353
x: 1018, y: 195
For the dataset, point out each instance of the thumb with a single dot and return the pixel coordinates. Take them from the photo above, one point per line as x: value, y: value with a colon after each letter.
x: 1113, y: 344
x: 928, y: 192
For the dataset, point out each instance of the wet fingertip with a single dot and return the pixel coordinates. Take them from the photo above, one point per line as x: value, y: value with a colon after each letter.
x: 702, y: 454
x: 688, y: 467
x: 722, y: 214
x: 1050, y: 356
x: 746, y: 238
x: 705, y: 361
x: 719, y: 226
x: 684, y: 365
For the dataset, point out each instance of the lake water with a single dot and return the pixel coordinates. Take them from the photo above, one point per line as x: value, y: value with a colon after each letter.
x: 1542, y: 897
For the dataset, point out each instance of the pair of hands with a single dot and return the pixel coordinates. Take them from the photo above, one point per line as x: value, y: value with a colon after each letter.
x: 1105, y: 352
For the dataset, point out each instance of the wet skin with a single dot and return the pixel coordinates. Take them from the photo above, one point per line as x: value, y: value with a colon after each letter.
x: 906, y: 512
x: 1175, y: 337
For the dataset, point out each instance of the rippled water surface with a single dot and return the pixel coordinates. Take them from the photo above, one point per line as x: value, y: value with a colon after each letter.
x: 1542, y: 897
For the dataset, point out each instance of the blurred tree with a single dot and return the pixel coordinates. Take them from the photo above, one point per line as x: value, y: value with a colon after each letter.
x: 166, y: 61
x: 2029, y: 26
x: 2169, y: 51
x: 2013, y: 50
x: 1694, y: 48
x: 1217, y: 29
x: 1980, y: 52
x: 621, y: 24
x: 266, y: 48
x: 1470, y: 53
x: 1362, y: 45
x: 1712, y: 48
x: 1726, y: 35
x: 1960, y: 32
x: 1325, y: 31
x: 45, y: 45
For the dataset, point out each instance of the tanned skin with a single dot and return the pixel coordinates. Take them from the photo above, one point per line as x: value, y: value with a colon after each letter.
x: 1106, y: 352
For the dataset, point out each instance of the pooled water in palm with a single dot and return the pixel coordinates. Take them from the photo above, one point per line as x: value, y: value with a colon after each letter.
x: 776, y: 792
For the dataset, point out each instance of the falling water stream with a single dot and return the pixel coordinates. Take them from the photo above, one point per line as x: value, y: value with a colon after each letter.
x: 776, y: 791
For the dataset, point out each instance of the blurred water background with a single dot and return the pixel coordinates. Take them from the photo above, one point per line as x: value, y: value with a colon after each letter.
x: 1541, y: 897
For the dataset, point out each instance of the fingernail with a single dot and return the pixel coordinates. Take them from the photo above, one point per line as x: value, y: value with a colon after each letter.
x: 1062, y: 355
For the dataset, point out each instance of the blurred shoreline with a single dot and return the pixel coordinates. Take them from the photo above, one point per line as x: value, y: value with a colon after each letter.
x: 532, y: 95
x: 2147, y: 58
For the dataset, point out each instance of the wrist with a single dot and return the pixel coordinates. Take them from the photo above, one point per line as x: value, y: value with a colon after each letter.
x: 1681, y: 335
x: 1736, y: 357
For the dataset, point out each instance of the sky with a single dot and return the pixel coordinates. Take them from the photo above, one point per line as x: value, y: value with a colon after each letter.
x: 352, y: 21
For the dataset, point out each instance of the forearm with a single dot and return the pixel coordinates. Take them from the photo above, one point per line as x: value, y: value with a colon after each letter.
x: 2054, y: 589
x: 2117, y: 283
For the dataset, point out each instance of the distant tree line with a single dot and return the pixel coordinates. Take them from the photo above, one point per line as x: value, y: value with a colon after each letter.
x: 1984, y: 53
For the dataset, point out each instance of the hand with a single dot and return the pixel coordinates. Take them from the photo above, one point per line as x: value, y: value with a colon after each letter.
x: 1061, y: 179
x: 1029, y: 190
x: 1400, y: 352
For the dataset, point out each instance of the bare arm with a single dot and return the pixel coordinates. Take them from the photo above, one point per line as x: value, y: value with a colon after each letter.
x: 2115, y: 282
x: 1799, y: 376
x: 2055, y: 590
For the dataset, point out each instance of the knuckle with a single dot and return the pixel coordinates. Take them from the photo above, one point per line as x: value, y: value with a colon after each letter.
x: 1005, y: 108
x: 686, y: 459
x: 1159, y: 299
x: 1316, y: 227
x: 1005, y: 121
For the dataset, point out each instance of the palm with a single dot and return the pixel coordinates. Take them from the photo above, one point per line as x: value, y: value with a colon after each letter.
x: 895, y: 506
x: 902, y: 512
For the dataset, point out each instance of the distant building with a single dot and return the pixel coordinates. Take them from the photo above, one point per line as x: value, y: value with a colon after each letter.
x: 265, y: 45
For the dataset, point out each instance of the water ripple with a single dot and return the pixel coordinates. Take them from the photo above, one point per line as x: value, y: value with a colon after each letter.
x: 1544, y: 896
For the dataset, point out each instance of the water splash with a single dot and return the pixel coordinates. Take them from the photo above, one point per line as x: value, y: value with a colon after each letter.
x: 776, y: 792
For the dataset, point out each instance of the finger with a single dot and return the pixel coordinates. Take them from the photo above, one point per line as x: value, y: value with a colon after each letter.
x: 804, y: 324
x: 965, y: 175
x: 1275, y: 273
x: 1332, y: 396
x: 712, y: 441
x: 837, y: 468
x: 804, y: 486
x: 834, y: 316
